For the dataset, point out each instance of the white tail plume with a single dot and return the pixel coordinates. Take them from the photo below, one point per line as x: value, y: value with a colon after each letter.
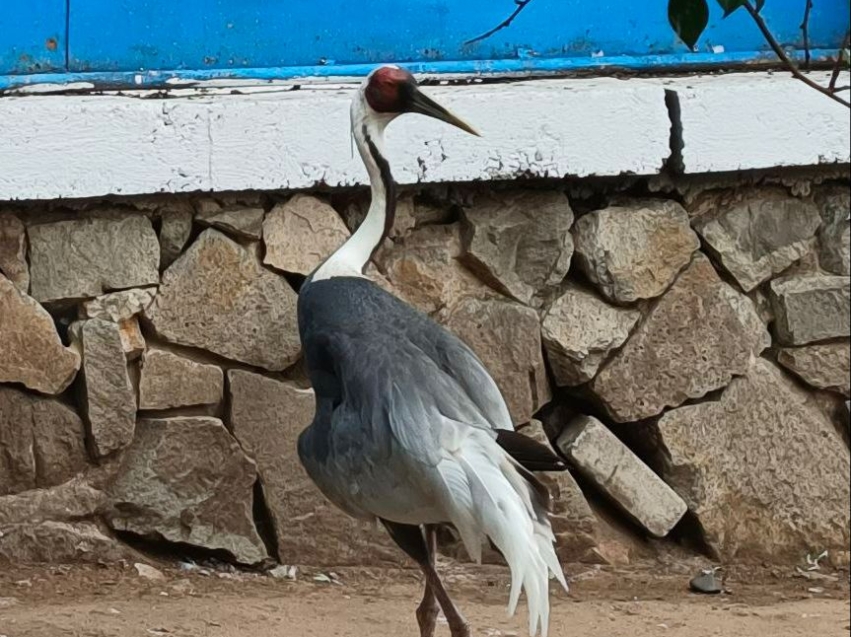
x: 488, y: 497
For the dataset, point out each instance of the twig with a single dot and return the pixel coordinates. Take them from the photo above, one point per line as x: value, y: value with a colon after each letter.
x: 837, y: 64
x: 521, y: 4
x: 778, y: 50
x: 805, y: 31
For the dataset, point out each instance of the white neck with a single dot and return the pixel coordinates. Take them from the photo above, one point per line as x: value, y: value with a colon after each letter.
x: 352, y: 257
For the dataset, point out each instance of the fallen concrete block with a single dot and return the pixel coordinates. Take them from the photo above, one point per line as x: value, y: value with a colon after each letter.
x: 611, y: 467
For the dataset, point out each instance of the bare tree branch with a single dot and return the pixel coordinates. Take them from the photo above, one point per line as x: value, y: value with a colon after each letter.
x: 805, y: 31
x: 837, y: 63
x: 790, y: 65
x: 521, y: 4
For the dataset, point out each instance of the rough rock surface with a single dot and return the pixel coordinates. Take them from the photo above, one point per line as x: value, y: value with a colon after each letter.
x: 108, y: 397
x: 823, y: 365
x: 13, y: 251
x: 301, y: 233
x: 412, y: 213
x: 763, y: 470
x: 187, y: 480
x: 59, y: 543
x: 241, y: 221
x: 580, y: 330
x: 749, y: 316
x: 698, y: 336
x: 122, y: 307
x: 168, y: 380
x: 218, y: 297
x: 574, y: 523
x: 118, y: 306
x: 87, y: 257
x: 634, y: 252
x: 30, y: 350
x: 811, y: 308
x: 519, y: 241
x: 175, y: 229
x: 760, y: 236
x: 132, y: 339
x: 267, y: 416
x: 72, y: 500
x: 506, y: 336
x: 611, y: 467
x: 42, y: 442
x: 835, y: 233
x: 425, y: 270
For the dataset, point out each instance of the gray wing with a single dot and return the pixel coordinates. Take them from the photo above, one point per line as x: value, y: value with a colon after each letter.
x: 402, y: 373
x: 414, y: 392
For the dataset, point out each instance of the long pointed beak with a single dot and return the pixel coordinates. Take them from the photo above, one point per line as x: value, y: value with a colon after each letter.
x: 423, y: 104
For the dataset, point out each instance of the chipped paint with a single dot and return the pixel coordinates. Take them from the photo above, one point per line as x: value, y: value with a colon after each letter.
x: 94, y: 145
x: 270, y: 138
x: 451, y: 70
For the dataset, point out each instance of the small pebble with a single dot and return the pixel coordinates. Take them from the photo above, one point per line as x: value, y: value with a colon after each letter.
x: 148, y: 572
x: 705, y: 582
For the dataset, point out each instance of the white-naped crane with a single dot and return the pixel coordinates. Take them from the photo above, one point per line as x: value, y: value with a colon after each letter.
x: 410, y: 429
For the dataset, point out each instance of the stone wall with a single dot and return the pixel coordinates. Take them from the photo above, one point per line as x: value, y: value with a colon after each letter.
x: 685, y: 347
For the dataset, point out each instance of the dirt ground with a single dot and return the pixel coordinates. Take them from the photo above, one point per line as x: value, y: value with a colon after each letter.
x: 193, y: 601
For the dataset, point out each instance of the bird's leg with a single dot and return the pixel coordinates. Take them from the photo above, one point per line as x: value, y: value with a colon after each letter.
x: 428, y: 608
x: 458, y: 626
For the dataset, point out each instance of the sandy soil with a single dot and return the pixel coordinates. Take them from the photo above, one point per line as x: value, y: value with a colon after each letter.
x: 637, y: 602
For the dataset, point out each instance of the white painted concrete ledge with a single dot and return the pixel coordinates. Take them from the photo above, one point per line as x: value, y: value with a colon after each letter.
x: 70, y: 146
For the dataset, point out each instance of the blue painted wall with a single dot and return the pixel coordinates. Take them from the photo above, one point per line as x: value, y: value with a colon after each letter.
x: 286, y: 37
x: 32, y: 36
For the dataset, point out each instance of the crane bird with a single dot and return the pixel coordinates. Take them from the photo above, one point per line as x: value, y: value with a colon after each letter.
x: 410, y: 429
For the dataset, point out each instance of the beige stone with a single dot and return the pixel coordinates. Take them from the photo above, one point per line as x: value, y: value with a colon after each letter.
x: 823, y: 365
x: 187, y: 480
x: 168, y: 380
x: 506, y: 336
x: 86, y: 257
x: 580, y: 330
x: 835, y: 232
x: 696, y: 338
x: 760, y: 235
x: 118, y: 306
x: 611, y: 467
x: 764, y: 471
x: 218, y: 297
x: 132, y: 339
x: 301, y: 233
x: 425, y: 270
x: 519, y: 241
x: 123, y: 307
x: 267, y: 416
x: 175, y: 230
x: 13, y: 251
x: 811, y: 308
x: 31, y: 352
x: 72, y: 500
x: 42, y: 442
x: 238, y: 220
x: 634, y: 252
x: 107, y: 395
x: 53, y: 542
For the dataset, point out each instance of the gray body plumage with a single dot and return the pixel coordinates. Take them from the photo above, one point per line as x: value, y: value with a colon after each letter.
x: 388, y: 380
